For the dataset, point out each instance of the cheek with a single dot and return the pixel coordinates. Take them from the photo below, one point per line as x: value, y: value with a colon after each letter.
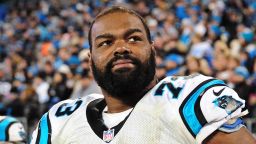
x: 143, y: 54
x: 100, y: 61
x: 101, y: 57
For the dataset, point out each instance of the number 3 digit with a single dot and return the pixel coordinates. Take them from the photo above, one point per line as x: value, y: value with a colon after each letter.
x: 65, y: 109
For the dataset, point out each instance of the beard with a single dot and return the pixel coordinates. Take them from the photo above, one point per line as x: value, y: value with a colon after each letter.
x: 127, y: 85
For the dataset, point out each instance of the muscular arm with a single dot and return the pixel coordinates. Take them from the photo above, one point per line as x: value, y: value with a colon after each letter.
x: 243, y: 136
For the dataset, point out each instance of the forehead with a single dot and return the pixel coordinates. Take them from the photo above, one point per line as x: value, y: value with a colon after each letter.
x: 115, y: 23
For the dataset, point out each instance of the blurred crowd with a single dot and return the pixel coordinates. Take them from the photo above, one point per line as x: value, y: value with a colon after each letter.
x: 44, y: 47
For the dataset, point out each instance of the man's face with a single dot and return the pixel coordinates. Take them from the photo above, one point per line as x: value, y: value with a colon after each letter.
x: 122, y: 58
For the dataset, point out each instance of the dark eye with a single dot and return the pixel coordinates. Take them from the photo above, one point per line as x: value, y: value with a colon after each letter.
x: 105, y: 43
x: 134, y: 39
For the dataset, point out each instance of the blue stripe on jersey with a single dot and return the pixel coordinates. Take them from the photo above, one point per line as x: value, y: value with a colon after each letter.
x: 4, y: 125
x: 188, y: 109
x: 44, y: 129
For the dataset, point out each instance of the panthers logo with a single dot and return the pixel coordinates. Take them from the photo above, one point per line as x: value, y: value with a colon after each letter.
x: 228, y: 103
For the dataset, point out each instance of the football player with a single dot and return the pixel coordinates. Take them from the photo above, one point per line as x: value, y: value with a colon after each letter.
x: 135, y: 108
x: 11, y: 131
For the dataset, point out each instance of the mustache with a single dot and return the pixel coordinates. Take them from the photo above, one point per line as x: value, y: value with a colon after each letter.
x: 123, y: 56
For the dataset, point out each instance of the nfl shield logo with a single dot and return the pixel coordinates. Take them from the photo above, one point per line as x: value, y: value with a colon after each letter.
x: 108, y: 135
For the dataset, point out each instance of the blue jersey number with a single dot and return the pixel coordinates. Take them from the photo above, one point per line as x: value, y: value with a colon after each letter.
x: 65, y: 109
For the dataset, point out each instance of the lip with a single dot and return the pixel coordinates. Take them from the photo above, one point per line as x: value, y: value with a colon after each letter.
x: 122, y: 63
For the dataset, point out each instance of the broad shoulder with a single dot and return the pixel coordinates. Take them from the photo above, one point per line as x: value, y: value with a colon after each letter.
x: 175, y: 85
x: 63, y: 118
x: 68, y: 107
x: 196, y: 78
x: 203, y: 103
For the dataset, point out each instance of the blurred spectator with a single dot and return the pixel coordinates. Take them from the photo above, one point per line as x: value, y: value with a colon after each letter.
x: 85, y: 83
x: 60, y: 87
x: 199, y: 47
x: 173, y: 63
x: 252, y: 95
x: 220, y: 63
x: 192, y: 65
x: 195, y: 65
x: 47, y: 72
x: 160, y: 68
x: 41, y: 87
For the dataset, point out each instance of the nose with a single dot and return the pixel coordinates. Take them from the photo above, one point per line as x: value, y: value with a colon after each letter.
x: 122, y: 50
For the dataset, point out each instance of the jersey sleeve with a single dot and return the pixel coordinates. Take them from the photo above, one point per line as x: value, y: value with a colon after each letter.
x: 215, y: 107
x: 51, y: 125
x: 46, y: 129
x: 51, y: 122
x: 205, y: 103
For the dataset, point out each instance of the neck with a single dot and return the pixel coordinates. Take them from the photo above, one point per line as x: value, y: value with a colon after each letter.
x: 116, y: 105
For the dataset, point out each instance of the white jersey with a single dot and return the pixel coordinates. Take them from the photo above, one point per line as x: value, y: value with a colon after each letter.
x: 178, y: 110
x: 11, y: 130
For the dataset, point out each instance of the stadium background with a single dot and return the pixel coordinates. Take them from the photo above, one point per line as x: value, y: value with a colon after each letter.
x: 44, y: 46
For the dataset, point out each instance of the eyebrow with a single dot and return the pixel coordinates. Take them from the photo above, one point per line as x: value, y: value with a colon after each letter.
x: 105, y: 35
x: 110, y: 36
x: 131, y: 31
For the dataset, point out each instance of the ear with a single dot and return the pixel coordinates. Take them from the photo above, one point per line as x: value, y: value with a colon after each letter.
x: 153, y: 47
x: 90, y: 60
